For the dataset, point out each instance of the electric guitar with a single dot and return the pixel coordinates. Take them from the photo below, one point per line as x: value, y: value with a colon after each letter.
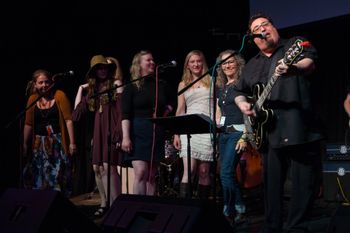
x: 264, y: 115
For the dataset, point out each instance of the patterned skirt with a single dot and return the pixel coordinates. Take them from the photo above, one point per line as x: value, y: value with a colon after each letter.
x: 49, y: 168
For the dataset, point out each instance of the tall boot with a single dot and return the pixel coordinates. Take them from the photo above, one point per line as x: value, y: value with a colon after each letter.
x: 203, y: 191
x: 183, y: 190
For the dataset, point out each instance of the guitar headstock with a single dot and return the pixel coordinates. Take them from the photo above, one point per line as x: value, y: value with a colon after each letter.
x: 294, y: 51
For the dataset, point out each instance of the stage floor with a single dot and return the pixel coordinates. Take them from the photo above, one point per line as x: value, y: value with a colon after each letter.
x: 322, y: 212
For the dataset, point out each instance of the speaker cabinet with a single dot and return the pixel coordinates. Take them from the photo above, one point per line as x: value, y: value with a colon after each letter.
x: 339, y: 223
x: 140, y: 214
x: 336, y: 180
x: 34, y: 211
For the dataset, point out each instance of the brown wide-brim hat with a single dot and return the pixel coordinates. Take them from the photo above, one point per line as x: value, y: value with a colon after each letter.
x: 100, y: 60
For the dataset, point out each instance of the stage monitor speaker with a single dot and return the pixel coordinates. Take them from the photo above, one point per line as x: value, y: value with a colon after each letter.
x: 336, y: 180
x: 141, y: 214
x: 339, y: 222
x: 338, y: 152
x: 38, y: 211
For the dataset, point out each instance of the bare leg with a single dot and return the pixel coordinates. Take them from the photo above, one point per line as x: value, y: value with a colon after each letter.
x: 185, y: 170
x: 203, y: 180
x: 204, y: 173
x: 115, y: 188
x: 141, y: 176
x: 99, y: 184
x: 151, y: 182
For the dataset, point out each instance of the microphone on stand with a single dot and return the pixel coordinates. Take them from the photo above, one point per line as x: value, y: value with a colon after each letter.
x: 67, y: 74
x: 173, y: 63
x: 258, y: 35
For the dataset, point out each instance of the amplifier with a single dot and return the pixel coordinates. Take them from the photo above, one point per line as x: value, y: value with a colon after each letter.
x: 336, y: 180
x: 338, y: 152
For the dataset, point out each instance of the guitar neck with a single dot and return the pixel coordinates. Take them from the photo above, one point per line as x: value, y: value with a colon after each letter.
x: 259, y: 103
x: 292, y: 53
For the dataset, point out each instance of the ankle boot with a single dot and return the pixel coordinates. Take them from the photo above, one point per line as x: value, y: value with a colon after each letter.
x: 203, y: 191
x: 183, y: 190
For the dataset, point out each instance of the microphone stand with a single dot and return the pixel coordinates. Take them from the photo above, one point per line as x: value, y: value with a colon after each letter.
x: 214, y: 131
x: 109, y: 91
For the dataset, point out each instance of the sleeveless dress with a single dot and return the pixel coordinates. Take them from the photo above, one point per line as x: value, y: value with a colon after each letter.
x: 198, y: 101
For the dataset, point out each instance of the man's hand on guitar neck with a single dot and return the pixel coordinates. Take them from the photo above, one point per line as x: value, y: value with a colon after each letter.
x: 284, y: 69
x: 303, y: 66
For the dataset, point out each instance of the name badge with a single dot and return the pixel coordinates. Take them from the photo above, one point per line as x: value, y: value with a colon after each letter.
x: 222, y: 121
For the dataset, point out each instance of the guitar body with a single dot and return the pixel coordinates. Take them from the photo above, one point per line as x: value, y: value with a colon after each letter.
x: 259, y: 123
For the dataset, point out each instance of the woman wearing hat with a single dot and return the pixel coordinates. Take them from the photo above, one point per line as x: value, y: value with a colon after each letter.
x: 143, y: 141
x: 95, y: 97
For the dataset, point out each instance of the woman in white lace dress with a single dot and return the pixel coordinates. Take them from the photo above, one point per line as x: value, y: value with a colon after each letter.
x: 195, y: 100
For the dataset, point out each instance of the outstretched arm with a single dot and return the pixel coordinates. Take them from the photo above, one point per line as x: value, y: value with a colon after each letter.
x: 347, y: 106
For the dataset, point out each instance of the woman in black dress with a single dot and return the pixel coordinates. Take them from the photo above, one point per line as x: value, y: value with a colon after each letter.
x: 143, y: 141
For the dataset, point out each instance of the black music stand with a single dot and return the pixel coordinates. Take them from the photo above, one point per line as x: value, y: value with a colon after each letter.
x: 187, y: 124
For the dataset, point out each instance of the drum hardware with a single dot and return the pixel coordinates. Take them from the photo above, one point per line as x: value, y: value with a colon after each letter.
x: 168, y: 171
x: 168, y: 186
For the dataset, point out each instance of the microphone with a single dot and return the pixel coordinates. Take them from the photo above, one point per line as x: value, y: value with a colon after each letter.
x: 258, y: 35
x: 67, y: 74
x: 173, y: 63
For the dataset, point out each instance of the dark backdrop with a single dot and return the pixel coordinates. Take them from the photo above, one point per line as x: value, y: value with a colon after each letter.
x: 61, y: 36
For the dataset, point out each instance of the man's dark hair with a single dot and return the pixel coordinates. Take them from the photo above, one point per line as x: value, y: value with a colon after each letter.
x: 254, y: 17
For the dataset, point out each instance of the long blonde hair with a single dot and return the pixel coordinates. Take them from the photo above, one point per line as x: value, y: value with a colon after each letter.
x: 187, y: 75
x: 135, y: 68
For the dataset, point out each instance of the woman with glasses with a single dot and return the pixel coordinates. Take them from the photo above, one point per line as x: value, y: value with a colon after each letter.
x: 233, y: 140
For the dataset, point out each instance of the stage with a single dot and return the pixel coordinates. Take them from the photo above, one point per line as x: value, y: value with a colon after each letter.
x: 322, y: 213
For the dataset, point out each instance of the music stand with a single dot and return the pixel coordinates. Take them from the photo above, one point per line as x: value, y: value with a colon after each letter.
x: 187, y: 124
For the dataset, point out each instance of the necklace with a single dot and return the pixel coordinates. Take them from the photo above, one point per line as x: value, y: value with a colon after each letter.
x: 44, y: 104
x: 44, y: 107
x: 225, y: 91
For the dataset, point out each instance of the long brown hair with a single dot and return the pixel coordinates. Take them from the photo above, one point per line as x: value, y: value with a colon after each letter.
x: 221, y: 78
x: 106, y: 84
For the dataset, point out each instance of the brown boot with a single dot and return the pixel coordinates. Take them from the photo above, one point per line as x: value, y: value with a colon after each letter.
x: 183, y: 190
x: 203, y: 191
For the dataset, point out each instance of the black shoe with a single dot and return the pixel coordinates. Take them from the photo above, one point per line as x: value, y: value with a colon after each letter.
x: 240, y: 218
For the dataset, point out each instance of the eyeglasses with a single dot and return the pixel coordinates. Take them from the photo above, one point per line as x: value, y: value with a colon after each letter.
x: 263, y: 24
x: 229, y: 62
